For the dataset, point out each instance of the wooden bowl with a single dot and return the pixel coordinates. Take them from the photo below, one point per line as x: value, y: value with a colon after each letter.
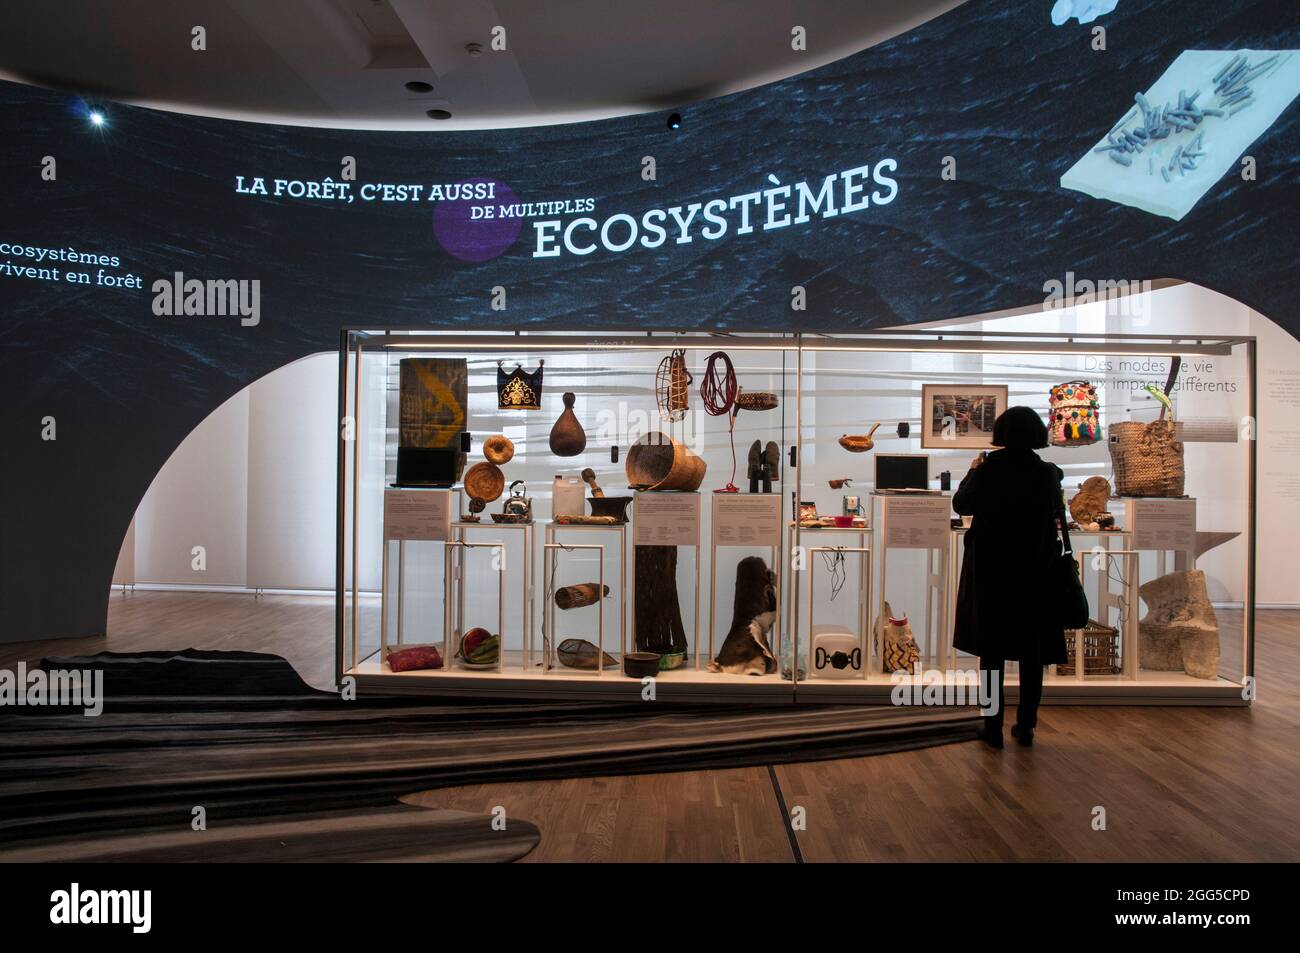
x: 641, y: 664
x: 658, y: 462
x: 614, y: 506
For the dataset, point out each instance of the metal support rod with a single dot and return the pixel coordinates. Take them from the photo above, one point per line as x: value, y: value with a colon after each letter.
x: 356, y: 496
x: 1252, y: 463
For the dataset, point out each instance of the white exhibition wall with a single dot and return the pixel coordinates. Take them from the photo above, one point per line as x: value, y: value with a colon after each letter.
x: 292, y: 447
x: 253, y: 486
x: 192, y: 526
x: 254, y: 483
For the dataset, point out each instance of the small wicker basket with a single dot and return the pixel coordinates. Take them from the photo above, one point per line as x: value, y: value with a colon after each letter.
x: 756, y: 400
x: 1100, y: 650
x: 673, y: 386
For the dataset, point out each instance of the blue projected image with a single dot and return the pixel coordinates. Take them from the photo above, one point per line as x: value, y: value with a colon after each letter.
x: 1085, y: 11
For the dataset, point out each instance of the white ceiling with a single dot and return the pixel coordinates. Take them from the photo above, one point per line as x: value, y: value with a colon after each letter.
x: 345, y: 62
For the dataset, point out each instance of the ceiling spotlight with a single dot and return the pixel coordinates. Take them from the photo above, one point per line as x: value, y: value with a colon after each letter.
x: 438, y: 114
x: 416, y: 86
x: 96, y: 118
x: 675, y: 121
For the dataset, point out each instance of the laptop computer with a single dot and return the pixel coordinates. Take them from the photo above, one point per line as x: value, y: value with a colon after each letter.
x: 903, y: 473
x: 426, y: 466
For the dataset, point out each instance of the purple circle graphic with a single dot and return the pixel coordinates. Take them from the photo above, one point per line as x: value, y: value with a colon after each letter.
x: 470, y: 226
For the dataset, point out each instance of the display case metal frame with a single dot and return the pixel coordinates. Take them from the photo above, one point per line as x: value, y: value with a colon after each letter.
x: 939, y: 583
x: 550, y: 645
x: 528, y: 614
x: 865, y: 576
x: 355, y: 342
x: 552, y: 535
x: 693, y: 653
x: 774, y: 547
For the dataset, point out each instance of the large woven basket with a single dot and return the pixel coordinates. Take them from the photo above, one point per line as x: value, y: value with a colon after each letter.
x: 1148, y: 458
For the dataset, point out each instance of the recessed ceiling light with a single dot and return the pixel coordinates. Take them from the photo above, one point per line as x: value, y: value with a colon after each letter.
x: 416, y: 86
x: 474, y: 49
x: 438, y: 114
x: 96, y: 118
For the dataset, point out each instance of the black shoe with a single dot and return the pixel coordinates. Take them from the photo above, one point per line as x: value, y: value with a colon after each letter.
x: 990, y: 736
x: 1024, y: 735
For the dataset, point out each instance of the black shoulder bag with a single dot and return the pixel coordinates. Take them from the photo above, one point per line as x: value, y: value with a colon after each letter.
x: 1067, y: 587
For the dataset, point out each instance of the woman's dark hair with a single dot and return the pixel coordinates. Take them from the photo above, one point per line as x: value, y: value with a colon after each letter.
x: 1020, y: 428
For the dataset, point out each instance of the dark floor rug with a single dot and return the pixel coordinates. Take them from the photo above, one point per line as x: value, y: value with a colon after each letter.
x: 399, y: 833
x: 242, y: 736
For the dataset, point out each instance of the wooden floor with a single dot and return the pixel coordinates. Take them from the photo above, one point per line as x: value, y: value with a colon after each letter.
x: 1179, y: 784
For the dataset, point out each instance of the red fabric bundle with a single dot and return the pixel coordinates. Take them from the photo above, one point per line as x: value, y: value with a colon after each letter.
x: 415, y: 657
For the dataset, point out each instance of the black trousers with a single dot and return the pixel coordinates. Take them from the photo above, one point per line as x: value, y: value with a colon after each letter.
x: 1031, y: 691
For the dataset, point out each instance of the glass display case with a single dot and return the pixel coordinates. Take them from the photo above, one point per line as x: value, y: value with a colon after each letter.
x: 728, y: 516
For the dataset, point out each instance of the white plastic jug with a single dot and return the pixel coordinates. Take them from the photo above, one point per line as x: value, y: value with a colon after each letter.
x: 568, y: 497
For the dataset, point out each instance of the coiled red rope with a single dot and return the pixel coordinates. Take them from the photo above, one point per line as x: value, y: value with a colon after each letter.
x: 718, y: 389
x: 718, y: 392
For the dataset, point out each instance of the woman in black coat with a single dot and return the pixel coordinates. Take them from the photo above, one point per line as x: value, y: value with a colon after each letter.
x: 1003, y: 606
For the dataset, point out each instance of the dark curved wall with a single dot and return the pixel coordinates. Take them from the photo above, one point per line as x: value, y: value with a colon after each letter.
x: 993, y: 84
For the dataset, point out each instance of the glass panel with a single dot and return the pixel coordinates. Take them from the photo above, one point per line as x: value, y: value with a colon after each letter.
x: 616, y: 402
x: 853, y: 390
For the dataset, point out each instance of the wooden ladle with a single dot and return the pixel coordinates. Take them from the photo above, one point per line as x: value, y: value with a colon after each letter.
x: 859, y: 443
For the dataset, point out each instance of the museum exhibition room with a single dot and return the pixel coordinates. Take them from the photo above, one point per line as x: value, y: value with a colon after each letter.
x: 585, y: 432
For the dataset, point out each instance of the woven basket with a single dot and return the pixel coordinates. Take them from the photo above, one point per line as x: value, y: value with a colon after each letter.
x: 1100, y: 650
x: 1148, y: 458
x: 673, y: 387
x: 756, y: 400
x: 1074, y: 418
x: 485, y: 482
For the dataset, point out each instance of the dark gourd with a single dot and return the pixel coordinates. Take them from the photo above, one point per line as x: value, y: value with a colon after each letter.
x: 568, y: 439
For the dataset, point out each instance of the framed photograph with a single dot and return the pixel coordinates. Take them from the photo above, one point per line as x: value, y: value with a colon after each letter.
x: 960, y: 416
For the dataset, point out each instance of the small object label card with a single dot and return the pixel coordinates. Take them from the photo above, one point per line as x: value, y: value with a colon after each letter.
x: 666, y: 519
x: 417, y: 514
x: 747, y: 519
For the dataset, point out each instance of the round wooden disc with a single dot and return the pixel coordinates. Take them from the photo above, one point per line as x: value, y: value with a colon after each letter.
x: 485, y: 481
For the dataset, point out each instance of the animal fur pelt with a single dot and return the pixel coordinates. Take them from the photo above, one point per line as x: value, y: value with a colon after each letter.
x: 745, y: 651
